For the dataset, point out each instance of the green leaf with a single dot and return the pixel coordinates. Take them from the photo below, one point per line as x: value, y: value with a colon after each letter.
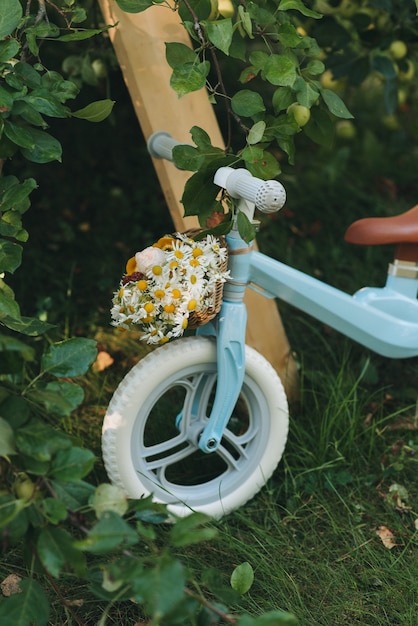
x: 28, y: 113
x: 247, y: 103
x: 189, y: 77
x: 385, y: 66
x: 62, y: 89
x: 74, y: 494
x: 27, y: 75
x: 134, y: 6
x: 10, y: 16
x: 279, y: 70
x: 256, y: 133
x: 15, y: 410
x: 110, y: 532
x: 201, y: 8
x: 242, y: 578
x: 315, y: 67
x: 7, y: 439
x: 8, y: 49
x: 220, y: 34
x: 266, y: 167
x: 72, y: 464
x: 10, y: 258
x: 17, y: 193
x: 276, y: 618
x: 59, y: 397
x: 245, y: 228
x: 289, y: 36
x: 46, y: 148
x: 305, y: 93
x: 121, y: 572
x: 297, y: 5
x: 187, y: 158
x: 95, y: 111
x: 27, y: 325
x: 40, y: 441
x: 53, y: 510
x: 10, y: 507
x: 6, y: 99
x: 335, y: 104
x: 246, y: 22
x: 179, y: 54
x: 8, y: 306
x: 29, y: 607
x: 55, y: 548
x: 199, y: 191
x: 11, y: 344
x: 162, y: 587
x: 46, y: 103
x: 203, y: 142
x: 17, y: 527
x: 84, y: 33
x: 320, y: 127
x: 282, y: 98
x: 69, y: 358
x: 188, y: 530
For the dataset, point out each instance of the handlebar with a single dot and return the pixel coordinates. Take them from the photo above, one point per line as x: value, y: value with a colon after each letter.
x: 268, y: 196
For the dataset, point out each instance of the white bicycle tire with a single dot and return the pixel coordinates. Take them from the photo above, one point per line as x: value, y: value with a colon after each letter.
x: 263, y: 412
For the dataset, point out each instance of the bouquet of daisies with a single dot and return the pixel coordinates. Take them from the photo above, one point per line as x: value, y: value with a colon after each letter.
x: 167, y: 285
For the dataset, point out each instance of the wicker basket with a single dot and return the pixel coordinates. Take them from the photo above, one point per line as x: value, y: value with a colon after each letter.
x: 199, y: 318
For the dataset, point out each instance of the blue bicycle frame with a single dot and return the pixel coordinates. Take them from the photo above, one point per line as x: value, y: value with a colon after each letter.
x: 382, y: 319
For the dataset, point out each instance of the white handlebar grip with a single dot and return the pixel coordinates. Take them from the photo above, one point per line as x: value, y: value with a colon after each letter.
x: 160, y: 145
x: 267, y: 195
x: 270, y: 196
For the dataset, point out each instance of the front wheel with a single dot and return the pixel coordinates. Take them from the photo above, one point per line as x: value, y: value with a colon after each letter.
x: 154, y: 418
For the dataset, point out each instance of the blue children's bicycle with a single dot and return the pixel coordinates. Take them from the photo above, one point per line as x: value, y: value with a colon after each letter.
x: 201, y: 422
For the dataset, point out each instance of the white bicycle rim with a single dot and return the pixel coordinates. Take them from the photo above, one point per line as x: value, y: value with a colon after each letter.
x: 147, y: 443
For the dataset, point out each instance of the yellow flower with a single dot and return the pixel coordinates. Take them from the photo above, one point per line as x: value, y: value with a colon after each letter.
x: 131, y: 266
x: 165, y: 243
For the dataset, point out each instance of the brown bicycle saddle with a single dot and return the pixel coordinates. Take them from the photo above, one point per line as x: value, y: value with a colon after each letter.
x: 401, y: 230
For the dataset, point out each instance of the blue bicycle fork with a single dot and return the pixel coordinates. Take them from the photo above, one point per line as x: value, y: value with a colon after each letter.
x: 229, y: 328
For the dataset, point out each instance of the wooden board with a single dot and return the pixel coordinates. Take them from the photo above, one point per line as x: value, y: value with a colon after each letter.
x: 138, y: 40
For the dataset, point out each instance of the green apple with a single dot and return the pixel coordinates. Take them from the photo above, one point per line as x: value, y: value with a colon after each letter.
x: 391, y: 122
x: 214, y: 11
x: 23, y: 487
x: 408, y: 74
x: 226, y: 8
x: 348, y: 8
x: 398, y: 49
x: 301, y: 114
x: 99, y: 68
x: 328, y: 81
x: 345, y: 129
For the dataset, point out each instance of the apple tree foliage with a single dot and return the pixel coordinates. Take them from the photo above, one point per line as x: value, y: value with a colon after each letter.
x: 276, y: 67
